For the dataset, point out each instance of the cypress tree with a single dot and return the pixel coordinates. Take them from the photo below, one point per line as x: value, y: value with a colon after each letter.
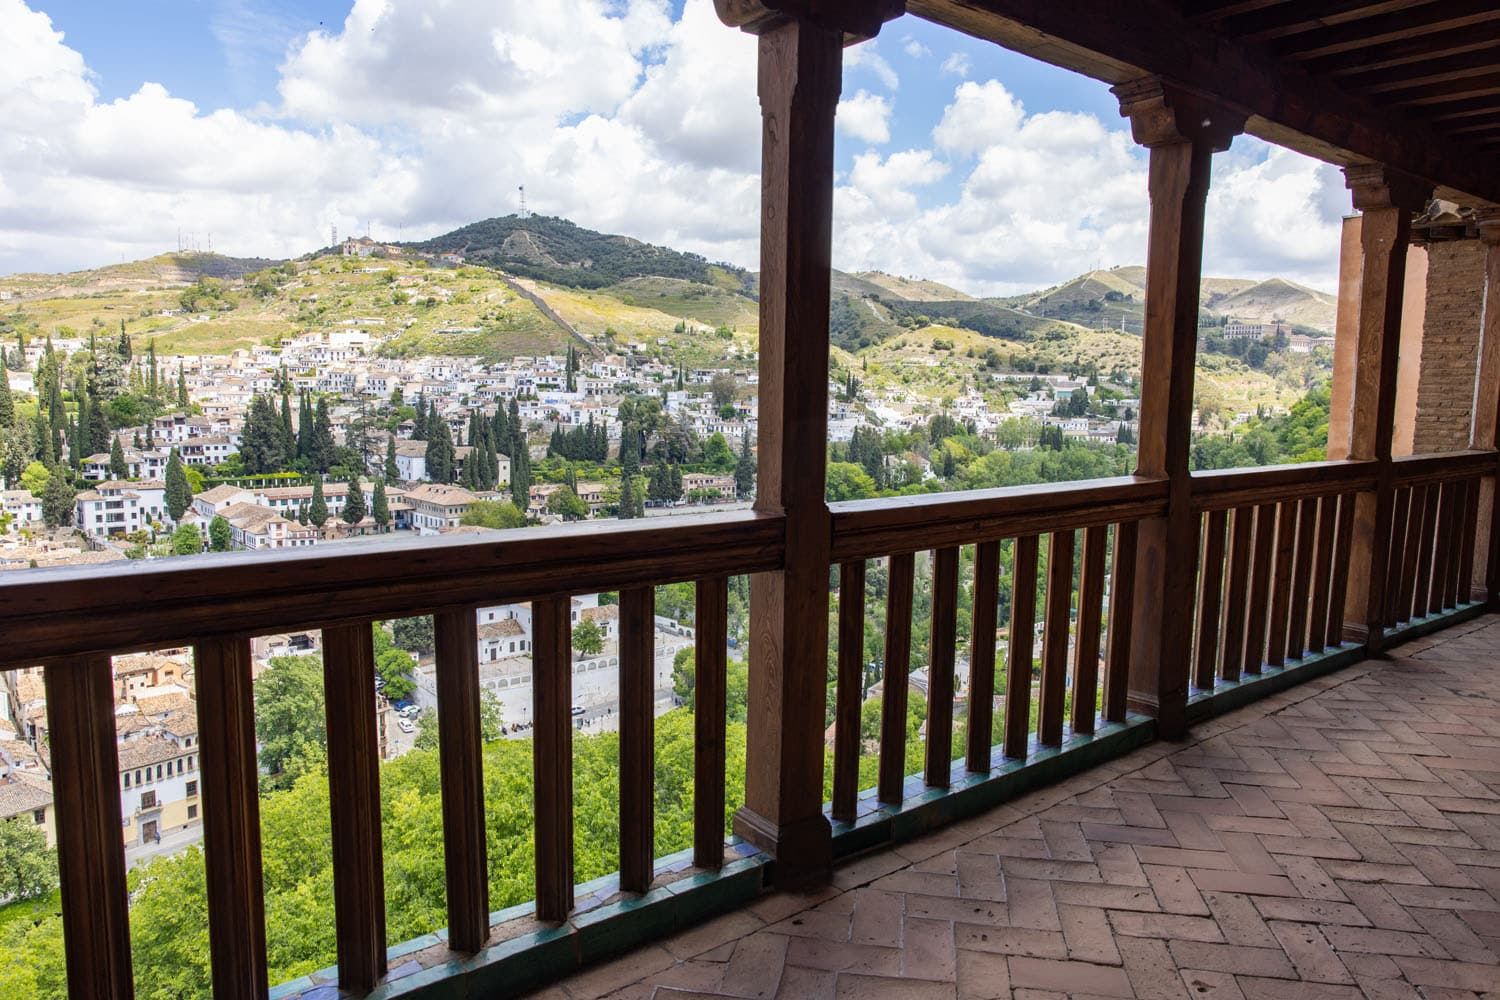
x: 354, y: 504
x: 304, y: 431
x: 182, y: 393
x: 419, y: 422
x: 517, y: 430
x: 317, y: 512
x: 286, y: 437
x: 81, y: 440
x: 179, y: 493
x: 124, y: 343
x: 382, y: 508
x: 153, y: 378
x: 520, y: 480
x: 501, y: 428
x: 392, y: 471
x: 744, y: 469
x: 135, y: 441
x: 7, y: 402
x: 440, y: 454
x: 98, y: 439
x: 322, y: 440
x: 117, y: 467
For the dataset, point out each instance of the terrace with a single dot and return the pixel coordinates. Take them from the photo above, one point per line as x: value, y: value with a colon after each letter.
x: 1196, y: 595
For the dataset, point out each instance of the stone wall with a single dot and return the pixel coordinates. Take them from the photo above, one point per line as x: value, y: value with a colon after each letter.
x: 1450, y: 346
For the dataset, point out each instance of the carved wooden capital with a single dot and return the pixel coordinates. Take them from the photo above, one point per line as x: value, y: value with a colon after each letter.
x: 1375, y: 185
x: 1488, y: 222
x: 857, y: 19
x: 1162, y: 114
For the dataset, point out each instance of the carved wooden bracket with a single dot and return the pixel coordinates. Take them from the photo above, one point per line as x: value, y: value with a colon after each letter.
x: 1487, y: 219
x: 1161, y: 114
x: 1375, y: 185
x: 859, y: 20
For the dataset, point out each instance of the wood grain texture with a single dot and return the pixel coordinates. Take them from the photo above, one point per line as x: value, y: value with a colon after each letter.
x: 1022, y: 643
x: 849, y: 694
x: 230, y: 783
x: 1325, y: 606
x: 1338, y: 585
x: 1223, y: 490
x: 1210, y: 599
x: 90, y: 857
x: 1054, y: 686
x: 710, y: 719
x: 1090, y: 610
x: 982, y: 655
x: 1470, y: 544
x: 1302, y: 580
x: 1281, y: 585
x: 1121, y: 620
x: 1405, y: 586
x: 637, y: 737
x: 461, y: 755
x: 1262, y: 562
x: 354, y: 799
x: 1401, y: 538
x: 897, y: 671
x: 1427, y: 549
x: 942, y: 656
x: 552, y: 756
x: 1237, y: 592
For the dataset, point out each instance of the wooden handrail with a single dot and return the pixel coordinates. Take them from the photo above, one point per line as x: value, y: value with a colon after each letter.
x: 51, y: 614
x: 869, y: 529
x: 1222, y: 490
x: 1411, y: 469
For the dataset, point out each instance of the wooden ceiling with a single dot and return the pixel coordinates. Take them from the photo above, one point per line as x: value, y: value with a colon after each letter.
x: 1414, y: 84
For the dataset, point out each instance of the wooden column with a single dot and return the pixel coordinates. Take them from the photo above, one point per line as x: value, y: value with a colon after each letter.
x: 231, y: 818
x: 354, y: 798
x: 90, y: 855
x: 800, y: 64
x: 1387, y: 198
x: 460, y: 753
x: 1182, y: 132
x: 1485, y: 582
x: 637, y: 733
x: 710, y: 634
x: 552, y: 756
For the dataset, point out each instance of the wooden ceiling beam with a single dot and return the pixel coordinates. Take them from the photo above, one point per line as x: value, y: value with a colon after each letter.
x: 1211, y: 11
x: 1392, y: 27
x: 1116, y: 42
x: 1464, y: 111
x: 1407, y: 50
x: 1479, y: 123
x: 1441, y: 70
x: 1280, y: 22
x: 1447, y: 92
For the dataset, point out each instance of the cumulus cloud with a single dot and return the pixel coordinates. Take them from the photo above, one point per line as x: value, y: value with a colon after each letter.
x: 868, y: 58
x: 914, y: 48
x: 957, y: 64
x: 865, y: 116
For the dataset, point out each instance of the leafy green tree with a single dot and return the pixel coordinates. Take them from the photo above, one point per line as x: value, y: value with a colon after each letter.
x: 588, y: 638
x: 28, y: 867
x: 847, y: 481
x: 34, y: 478
x: 493, y: 514
x: 289, y: 713
x: 414, y: 635
x: 317, y: 511
x: 186, y: 541
x: 393, y: 664
x: 566, y: 504
x: 354, y: 504
x: 178, y: 493
x: 381, y: 509
x: 117, y: 466
x: 58, y: 498
x: 427, y: 730
x: 490, y: 721
x: 717, y: 455
x: 220, y: 535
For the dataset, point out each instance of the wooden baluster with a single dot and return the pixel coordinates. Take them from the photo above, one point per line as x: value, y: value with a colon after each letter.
x: 1401, y: 508
x: 230, y: 788
x: 1456, y: 542
x: 1307, y: 531
x: 90, y: 856
x: 1406, y: 585
x: 1281, y: 586
x: 1260, y: 587
x: 1054, y: 687
x: 637, y: 736
x: 982, y: 655
x: 897, y: 671
x: 461, y: 760
x: 1469, y: 544
x: 1242, y: 535
x: 1090, y: 601
x: 1325, y: 608
x: 1210, y: 599
x: 710, y: 639
x: 847, y: 697
x: 941, y: 656
x: 1121, y: 622
x: 552, y: 756
x: 1022, y: 642
x: 1442, y: 551
x: 1422, y: 586
x: 354, y: 797
x: 1338, y: 587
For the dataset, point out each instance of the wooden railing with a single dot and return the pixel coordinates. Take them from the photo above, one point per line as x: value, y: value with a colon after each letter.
x: 72, y: 621
x: 1105, y: 512
x: 1271, y: 568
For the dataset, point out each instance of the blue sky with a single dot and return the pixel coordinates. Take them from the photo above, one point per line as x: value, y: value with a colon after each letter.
x: 268, y: 121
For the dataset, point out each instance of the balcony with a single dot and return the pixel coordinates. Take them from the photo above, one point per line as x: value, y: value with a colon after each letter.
x: 1195, y: 598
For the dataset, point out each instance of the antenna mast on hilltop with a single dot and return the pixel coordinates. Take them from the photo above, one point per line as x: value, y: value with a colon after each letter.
x: 333, y: 236
x: 523, y: 201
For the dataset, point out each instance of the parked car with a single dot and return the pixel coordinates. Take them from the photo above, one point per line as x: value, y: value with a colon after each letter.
x: 406, y: 726
x: 579, y: 709
x: 411, y: 711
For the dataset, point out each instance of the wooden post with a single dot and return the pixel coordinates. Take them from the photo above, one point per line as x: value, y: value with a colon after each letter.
x: 801, y: 60
x: 231, y: 819
x: 1387, y: 200
x: 637, y: 736
x: 1182, y: 132
x: 710, y: 633
x: 90, y: 856
x: 1485, y: 582
x: 354, y: 798
x: 460, y: 753
x: 552, y: 756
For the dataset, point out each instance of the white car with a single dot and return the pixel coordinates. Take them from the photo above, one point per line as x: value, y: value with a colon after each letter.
x: 406, y: 726
x: 579, y: 710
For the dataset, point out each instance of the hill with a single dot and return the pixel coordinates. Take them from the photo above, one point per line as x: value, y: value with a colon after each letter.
x: 558, y: 251
x: 162, y: 271
x: 911, y: 289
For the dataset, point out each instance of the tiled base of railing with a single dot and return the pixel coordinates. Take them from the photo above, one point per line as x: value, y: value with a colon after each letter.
x: 603, y: 924
x: 972, y: 792
x: 1418, y: 627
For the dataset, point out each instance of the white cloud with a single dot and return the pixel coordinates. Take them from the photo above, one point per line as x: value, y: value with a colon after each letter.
x: 957, y: 64
x: 865, y: 116
x: 914, y: 48
x: 867, y: 57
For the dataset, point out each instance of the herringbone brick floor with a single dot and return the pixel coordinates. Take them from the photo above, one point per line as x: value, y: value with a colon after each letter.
x: 1339, y: 840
